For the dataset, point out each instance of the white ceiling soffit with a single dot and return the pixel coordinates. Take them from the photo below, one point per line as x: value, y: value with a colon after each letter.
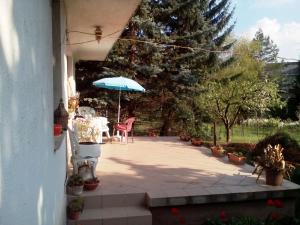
x: 82, y: 17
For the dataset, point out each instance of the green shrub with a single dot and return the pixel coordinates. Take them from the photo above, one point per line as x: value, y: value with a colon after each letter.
x: 76, y: 204
x: 296, y: 176
x: 291, y: 148
x: 296, y: 179
x: 240, y: 147
x: 75, y: 180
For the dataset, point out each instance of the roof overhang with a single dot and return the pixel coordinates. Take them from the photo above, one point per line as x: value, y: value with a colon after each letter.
x: 82, y: 18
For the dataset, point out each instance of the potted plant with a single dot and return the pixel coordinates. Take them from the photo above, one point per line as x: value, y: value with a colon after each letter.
x: 237, y: 158
x: 91, y: 184
x: 196, y: 141
x: 196, y: 138
x: 217, y: 151
x: 75, y: 184
x: 274, y: 165
x: 75, y: 208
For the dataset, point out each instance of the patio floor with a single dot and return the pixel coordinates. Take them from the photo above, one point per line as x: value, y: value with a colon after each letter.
x: 171, y: 172
x: 141, y: 180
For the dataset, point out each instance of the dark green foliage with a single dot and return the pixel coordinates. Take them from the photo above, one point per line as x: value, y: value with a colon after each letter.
x: 76, y: 205
x: 240, y: 147
x: 75, y: 180
x: 269, y: 51
x: 291, y: 150
x: 294, y: 98
x: 297, y: 208
x: 296, y: 176
x: 254, y: 221
x: 235, y: 221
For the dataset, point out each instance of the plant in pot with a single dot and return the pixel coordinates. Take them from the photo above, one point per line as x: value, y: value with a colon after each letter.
x: 218, y: 151
x: 75, y: 184
x: 196, y: 139
x: 75, y: 208
x: 274, y: 165
x: 236, y: 157
x: 91, y: 184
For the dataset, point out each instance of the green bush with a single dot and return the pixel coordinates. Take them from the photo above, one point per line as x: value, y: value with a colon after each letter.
x: 296, y: 176
x: 291, y: 148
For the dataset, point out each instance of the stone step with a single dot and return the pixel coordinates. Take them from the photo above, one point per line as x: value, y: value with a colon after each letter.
x: 98, y: 201
x: 114, y: 216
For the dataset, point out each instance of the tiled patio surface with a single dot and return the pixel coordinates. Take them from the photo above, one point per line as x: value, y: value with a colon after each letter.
x: 172, y: 172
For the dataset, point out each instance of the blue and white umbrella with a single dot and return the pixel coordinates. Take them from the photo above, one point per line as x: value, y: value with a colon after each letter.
x: 120, y: 84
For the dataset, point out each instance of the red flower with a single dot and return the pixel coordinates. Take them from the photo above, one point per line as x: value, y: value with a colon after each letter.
x: 181, y: 220
x: 270, y: 202
x: 278, y: 203
x: 223, y: 216
x: 175, y: 211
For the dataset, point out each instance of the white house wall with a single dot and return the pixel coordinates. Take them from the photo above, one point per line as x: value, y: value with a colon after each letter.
x: 32, y: 175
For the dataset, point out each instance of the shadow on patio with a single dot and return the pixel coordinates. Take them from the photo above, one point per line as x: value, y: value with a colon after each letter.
x: 166, y: 167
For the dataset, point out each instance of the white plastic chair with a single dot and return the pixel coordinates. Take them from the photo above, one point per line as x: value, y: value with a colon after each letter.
x: 82, y: 153
x: 100, y: 124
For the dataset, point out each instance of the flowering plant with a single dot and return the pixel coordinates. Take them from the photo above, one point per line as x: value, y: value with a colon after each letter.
x: 87, y: 132
x: 273, y: 159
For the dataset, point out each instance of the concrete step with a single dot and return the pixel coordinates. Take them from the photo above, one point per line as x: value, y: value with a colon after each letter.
x: 114, y: 216
x: 94, y: 201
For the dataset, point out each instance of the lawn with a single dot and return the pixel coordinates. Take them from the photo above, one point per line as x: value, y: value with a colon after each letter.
x: 252, y: 134
x: 240, y: 133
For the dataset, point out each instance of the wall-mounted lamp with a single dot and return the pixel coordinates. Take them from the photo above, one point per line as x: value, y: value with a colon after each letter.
x: 98, y: 33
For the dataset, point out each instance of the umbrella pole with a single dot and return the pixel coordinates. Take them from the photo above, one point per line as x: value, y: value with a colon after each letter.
x: 119, y: 106
x: 119, y: 109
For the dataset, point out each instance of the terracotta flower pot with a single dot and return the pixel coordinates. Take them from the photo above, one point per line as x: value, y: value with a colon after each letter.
x: 73, y: 215
x: 196, y: 141
x: 273, y: 177
x: 217, y: 151
x: 238, y: 160
x: 91, y: 184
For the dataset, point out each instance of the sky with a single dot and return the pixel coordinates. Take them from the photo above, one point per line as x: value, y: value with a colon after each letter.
x: 279, y: 19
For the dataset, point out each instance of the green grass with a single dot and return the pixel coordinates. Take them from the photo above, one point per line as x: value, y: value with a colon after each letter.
x: 241, y: 134
x: 253, y: 134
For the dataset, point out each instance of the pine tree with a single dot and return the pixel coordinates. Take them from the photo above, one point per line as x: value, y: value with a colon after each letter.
x: 169, y: 47
x: 269, y: 50
x: 201, y: 25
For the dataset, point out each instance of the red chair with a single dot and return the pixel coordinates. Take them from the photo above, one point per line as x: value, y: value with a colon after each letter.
x: 125, y: 128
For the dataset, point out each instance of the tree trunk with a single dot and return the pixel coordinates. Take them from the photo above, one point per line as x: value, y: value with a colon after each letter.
x: 167, y: 122
x: 166, y: 127
x: 215, y: 134
x: 228, y: 133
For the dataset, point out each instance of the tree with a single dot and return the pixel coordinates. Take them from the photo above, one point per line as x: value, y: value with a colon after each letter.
x: 269, y: 50
x: 170, y: 46
x: 294, y: 98
x: 238, y: 89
